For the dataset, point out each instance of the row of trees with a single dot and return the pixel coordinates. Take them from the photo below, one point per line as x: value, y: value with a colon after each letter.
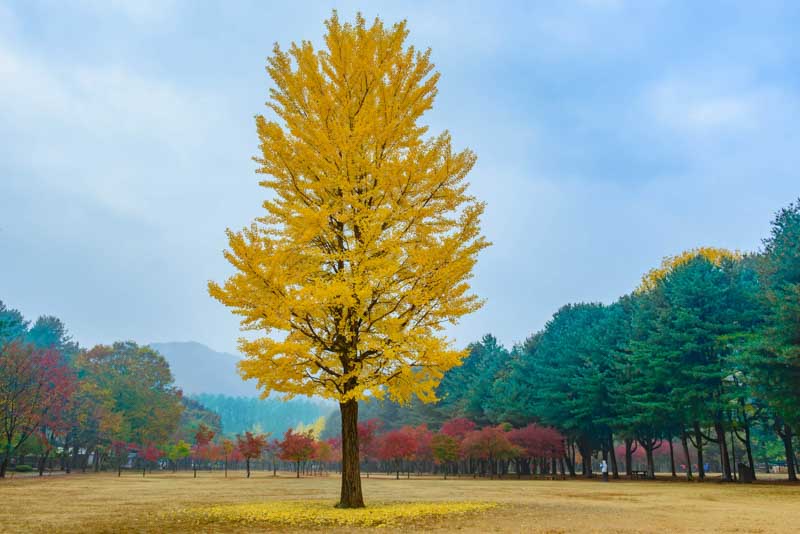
x: 706, y: 349
x: 460, y: 447
x: 700, y: 363
x: 60, y: 403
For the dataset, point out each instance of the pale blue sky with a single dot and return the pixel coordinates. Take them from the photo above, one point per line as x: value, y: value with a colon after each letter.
x: 609, y: 133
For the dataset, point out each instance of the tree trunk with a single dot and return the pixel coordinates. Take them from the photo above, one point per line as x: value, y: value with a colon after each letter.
x: 42, y: 461
x: 4, y: 463
x: 613, y: 455
x: 733, y: 454
x: 723, y: 451
x: 351, y: 496
x: 586, y: 457
x: 298, y: 468
x: 685, y: 443
x: 651, y: 471
x: 629, y: 457
x: 570, y: 465
x: 698, y: 435
x: 672, y: 458
x: 786, y: 437
x: 749, y: 448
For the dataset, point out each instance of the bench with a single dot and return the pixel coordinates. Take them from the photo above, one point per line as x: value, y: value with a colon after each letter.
x: 638, y: 474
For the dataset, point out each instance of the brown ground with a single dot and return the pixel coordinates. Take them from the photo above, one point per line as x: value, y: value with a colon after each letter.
x: 105, y: 503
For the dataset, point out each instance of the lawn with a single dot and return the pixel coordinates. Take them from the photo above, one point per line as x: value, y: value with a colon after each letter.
x: 166, y: 502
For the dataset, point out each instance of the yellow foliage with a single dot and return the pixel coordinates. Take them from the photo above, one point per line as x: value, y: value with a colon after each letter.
x: 714, y: 255
x: 314, y: 429
x: 322, y: 514
x: 369, y: 236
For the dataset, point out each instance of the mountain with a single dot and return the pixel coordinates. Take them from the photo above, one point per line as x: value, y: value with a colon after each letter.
x: 199, y: 369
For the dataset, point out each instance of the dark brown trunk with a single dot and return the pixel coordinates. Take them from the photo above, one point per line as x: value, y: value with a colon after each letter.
x: 672, y: 458
x: 570, y: 465
x: 698, y: 435
x: 723, y: 451
x: 685, y: 444
x: 733, y: 454
x: 749, y: 448
x: 629, y: 449
x: 786, y: 437
x: 248, y: 467
x: 648, y: 450
x: 613, y: 457
x: 42, y: 461
x: 586, y: 457
x: 351, y: 496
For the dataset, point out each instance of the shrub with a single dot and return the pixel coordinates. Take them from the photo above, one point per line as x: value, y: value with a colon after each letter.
x: 22, y: 468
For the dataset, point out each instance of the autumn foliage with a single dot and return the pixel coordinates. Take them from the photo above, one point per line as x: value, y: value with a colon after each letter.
x: 369, y: 237
x: 250, y: 446
x: 35, y: 389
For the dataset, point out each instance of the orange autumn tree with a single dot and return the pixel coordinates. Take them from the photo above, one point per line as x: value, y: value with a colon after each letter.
x: 369, y: 236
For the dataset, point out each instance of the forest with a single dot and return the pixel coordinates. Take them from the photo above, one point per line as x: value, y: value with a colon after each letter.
x: 697, y: 368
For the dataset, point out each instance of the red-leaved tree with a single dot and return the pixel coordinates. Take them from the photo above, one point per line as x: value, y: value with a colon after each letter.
x: 369, y: 440
x: 397, y: 446
x: 297, y: 448
x: 537, y: 444
x: 458, y: 428
x: 150, y: 455
x: 203, y: 447
x: 34, y: 385
x: 489, y: 445
x: 250, y: 446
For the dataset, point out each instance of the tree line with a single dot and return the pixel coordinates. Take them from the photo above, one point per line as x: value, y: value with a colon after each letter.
x: 65, y: 407
x: 699, y: 365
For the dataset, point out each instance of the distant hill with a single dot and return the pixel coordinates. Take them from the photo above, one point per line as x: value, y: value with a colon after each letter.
x: 199, y: 369
x: 211, y: 378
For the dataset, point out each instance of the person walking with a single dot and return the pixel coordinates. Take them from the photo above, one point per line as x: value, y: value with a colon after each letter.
x: 604, y: 470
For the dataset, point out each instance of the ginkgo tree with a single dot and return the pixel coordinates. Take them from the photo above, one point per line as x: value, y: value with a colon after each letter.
x: 369, y: 237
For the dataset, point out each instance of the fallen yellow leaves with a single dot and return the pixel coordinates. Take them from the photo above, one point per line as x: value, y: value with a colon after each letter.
x: 323, y: 514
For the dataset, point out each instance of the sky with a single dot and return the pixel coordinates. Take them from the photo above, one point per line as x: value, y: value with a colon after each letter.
x: 609, y: 134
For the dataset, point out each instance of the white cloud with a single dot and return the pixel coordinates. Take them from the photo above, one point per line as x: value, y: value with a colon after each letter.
x: 719, y: 104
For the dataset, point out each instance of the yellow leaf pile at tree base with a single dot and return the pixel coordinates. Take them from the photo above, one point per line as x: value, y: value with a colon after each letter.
x: 323, y: 514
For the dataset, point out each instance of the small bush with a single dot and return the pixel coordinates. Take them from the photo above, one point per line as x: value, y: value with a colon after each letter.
x: 22, y: 468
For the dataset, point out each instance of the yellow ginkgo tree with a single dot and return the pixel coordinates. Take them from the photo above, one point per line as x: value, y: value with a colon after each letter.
x: 369, y: 235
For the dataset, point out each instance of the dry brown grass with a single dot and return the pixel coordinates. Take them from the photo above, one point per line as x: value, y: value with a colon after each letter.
x: 105, y: 503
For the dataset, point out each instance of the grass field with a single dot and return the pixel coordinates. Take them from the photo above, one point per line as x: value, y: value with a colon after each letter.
x: 156, y: 503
